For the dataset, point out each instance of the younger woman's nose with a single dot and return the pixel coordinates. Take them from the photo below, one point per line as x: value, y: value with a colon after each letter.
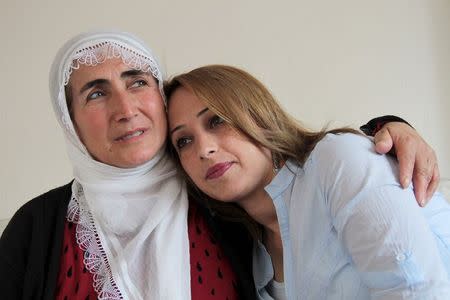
x: 208, y: 146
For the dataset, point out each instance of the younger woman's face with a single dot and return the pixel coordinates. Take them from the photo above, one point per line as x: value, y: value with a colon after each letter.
x: 221, y: 162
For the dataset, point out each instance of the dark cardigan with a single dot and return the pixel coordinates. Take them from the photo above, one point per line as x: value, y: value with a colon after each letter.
x: 30, y: 248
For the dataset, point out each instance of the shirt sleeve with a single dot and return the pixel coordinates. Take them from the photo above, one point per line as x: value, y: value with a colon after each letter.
x: 379, y: 223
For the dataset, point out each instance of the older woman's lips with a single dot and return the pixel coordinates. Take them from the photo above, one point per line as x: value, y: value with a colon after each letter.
x: 131, y: 135
x: 218, y: 170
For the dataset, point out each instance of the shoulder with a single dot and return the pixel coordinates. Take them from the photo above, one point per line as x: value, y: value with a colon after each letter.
x: 346, y: 165
x: 42, y: 208
x: 351, y: 155
x: 49, y: 200
x: 346, y: 146
x: 37, y: 216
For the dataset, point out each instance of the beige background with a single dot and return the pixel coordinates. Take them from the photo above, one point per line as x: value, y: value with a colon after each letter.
x: 343, y: 61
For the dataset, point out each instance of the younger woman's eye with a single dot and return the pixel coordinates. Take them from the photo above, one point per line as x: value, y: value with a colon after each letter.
x: 181, y: 142
x: 139, y: 83
x: 95, y: 95
x: 215, y: 121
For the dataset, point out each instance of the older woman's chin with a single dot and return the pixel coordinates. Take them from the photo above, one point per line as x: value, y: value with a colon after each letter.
x: 128, y: 158
x: 133, y: 161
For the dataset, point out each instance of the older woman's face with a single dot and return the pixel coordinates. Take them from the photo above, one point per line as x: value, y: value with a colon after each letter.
x: 118, y: 113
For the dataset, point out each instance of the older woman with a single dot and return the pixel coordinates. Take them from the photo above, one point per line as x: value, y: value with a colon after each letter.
x: 124, y: 227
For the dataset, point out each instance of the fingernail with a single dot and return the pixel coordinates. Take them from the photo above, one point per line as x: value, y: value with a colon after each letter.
x: 405, y: 182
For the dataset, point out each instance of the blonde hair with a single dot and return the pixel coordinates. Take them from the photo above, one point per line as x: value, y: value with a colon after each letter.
x: 249, y: 107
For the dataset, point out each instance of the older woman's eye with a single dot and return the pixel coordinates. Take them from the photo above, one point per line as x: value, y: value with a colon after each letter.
x: 139, y: 83
x: 182, y: 142
x: 215, y: 121
x: 95, y: 95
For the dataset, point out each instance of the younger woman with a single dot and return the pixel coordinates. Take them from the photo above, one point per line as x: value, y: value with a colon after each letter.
x: 329, y: 217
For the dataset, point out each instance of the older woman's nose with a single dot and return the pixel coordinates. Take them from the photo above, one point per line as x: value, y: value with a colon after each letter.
x: 124, y: 106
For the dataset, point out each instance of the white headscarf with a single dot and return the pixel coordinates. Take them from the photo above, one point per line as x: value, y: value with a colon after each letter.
x: 131, y: 222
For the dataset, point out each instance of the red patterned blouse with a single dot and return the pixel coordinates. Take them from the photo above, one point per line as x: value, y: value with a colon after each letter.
x: 211, y: 274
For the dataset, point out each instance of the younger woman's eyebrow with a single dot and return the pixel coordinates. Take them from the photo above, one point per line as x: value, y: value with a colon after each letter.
x: 202, y: 112
x: 181, y: 126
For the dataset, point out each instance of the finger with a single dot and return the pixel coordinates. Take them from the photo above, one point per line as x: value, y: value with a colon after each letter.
x: 434, y: 183
x: 421, y: 180
x: 383, y: 141
x: 406, y: 160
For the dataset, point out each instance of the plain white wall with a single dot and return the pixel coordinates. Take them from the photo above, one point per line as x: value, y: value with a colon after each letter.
x: 344, y: 61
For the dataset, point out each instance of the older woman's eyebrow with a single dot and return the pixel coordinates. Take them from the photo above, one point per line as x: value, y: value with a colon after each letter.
x: 92, y: 83
x: 181, y: 126
x: 125, y: 74
x: 133, y: 73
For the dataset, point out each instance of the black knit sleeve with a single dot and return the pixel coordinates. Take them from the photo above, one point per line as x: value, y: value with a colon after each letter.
x: 374, y: 125
x: 14, y: 248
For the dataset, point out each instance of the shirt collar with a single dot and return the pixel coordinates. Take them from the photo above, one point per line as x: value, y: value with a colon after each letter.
x: 283, y: 179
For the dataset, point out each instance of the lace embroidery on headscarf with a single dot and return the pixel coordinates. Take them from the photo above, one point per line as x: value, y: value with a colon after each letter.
x: 98, y: 53
x: 94, y: 259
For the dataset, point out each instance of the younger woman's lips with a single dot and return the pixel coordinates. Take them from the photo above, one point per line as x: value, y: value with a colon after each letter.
x: 217, y: 170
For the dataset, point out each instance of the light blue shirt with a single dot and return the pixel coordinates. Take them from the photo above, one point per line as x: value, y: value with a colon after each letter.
x: 349, y: 231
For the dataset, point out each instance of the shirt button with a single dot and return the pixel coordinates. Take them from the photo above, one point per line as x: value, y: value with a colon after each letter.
x: 401, y: 257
